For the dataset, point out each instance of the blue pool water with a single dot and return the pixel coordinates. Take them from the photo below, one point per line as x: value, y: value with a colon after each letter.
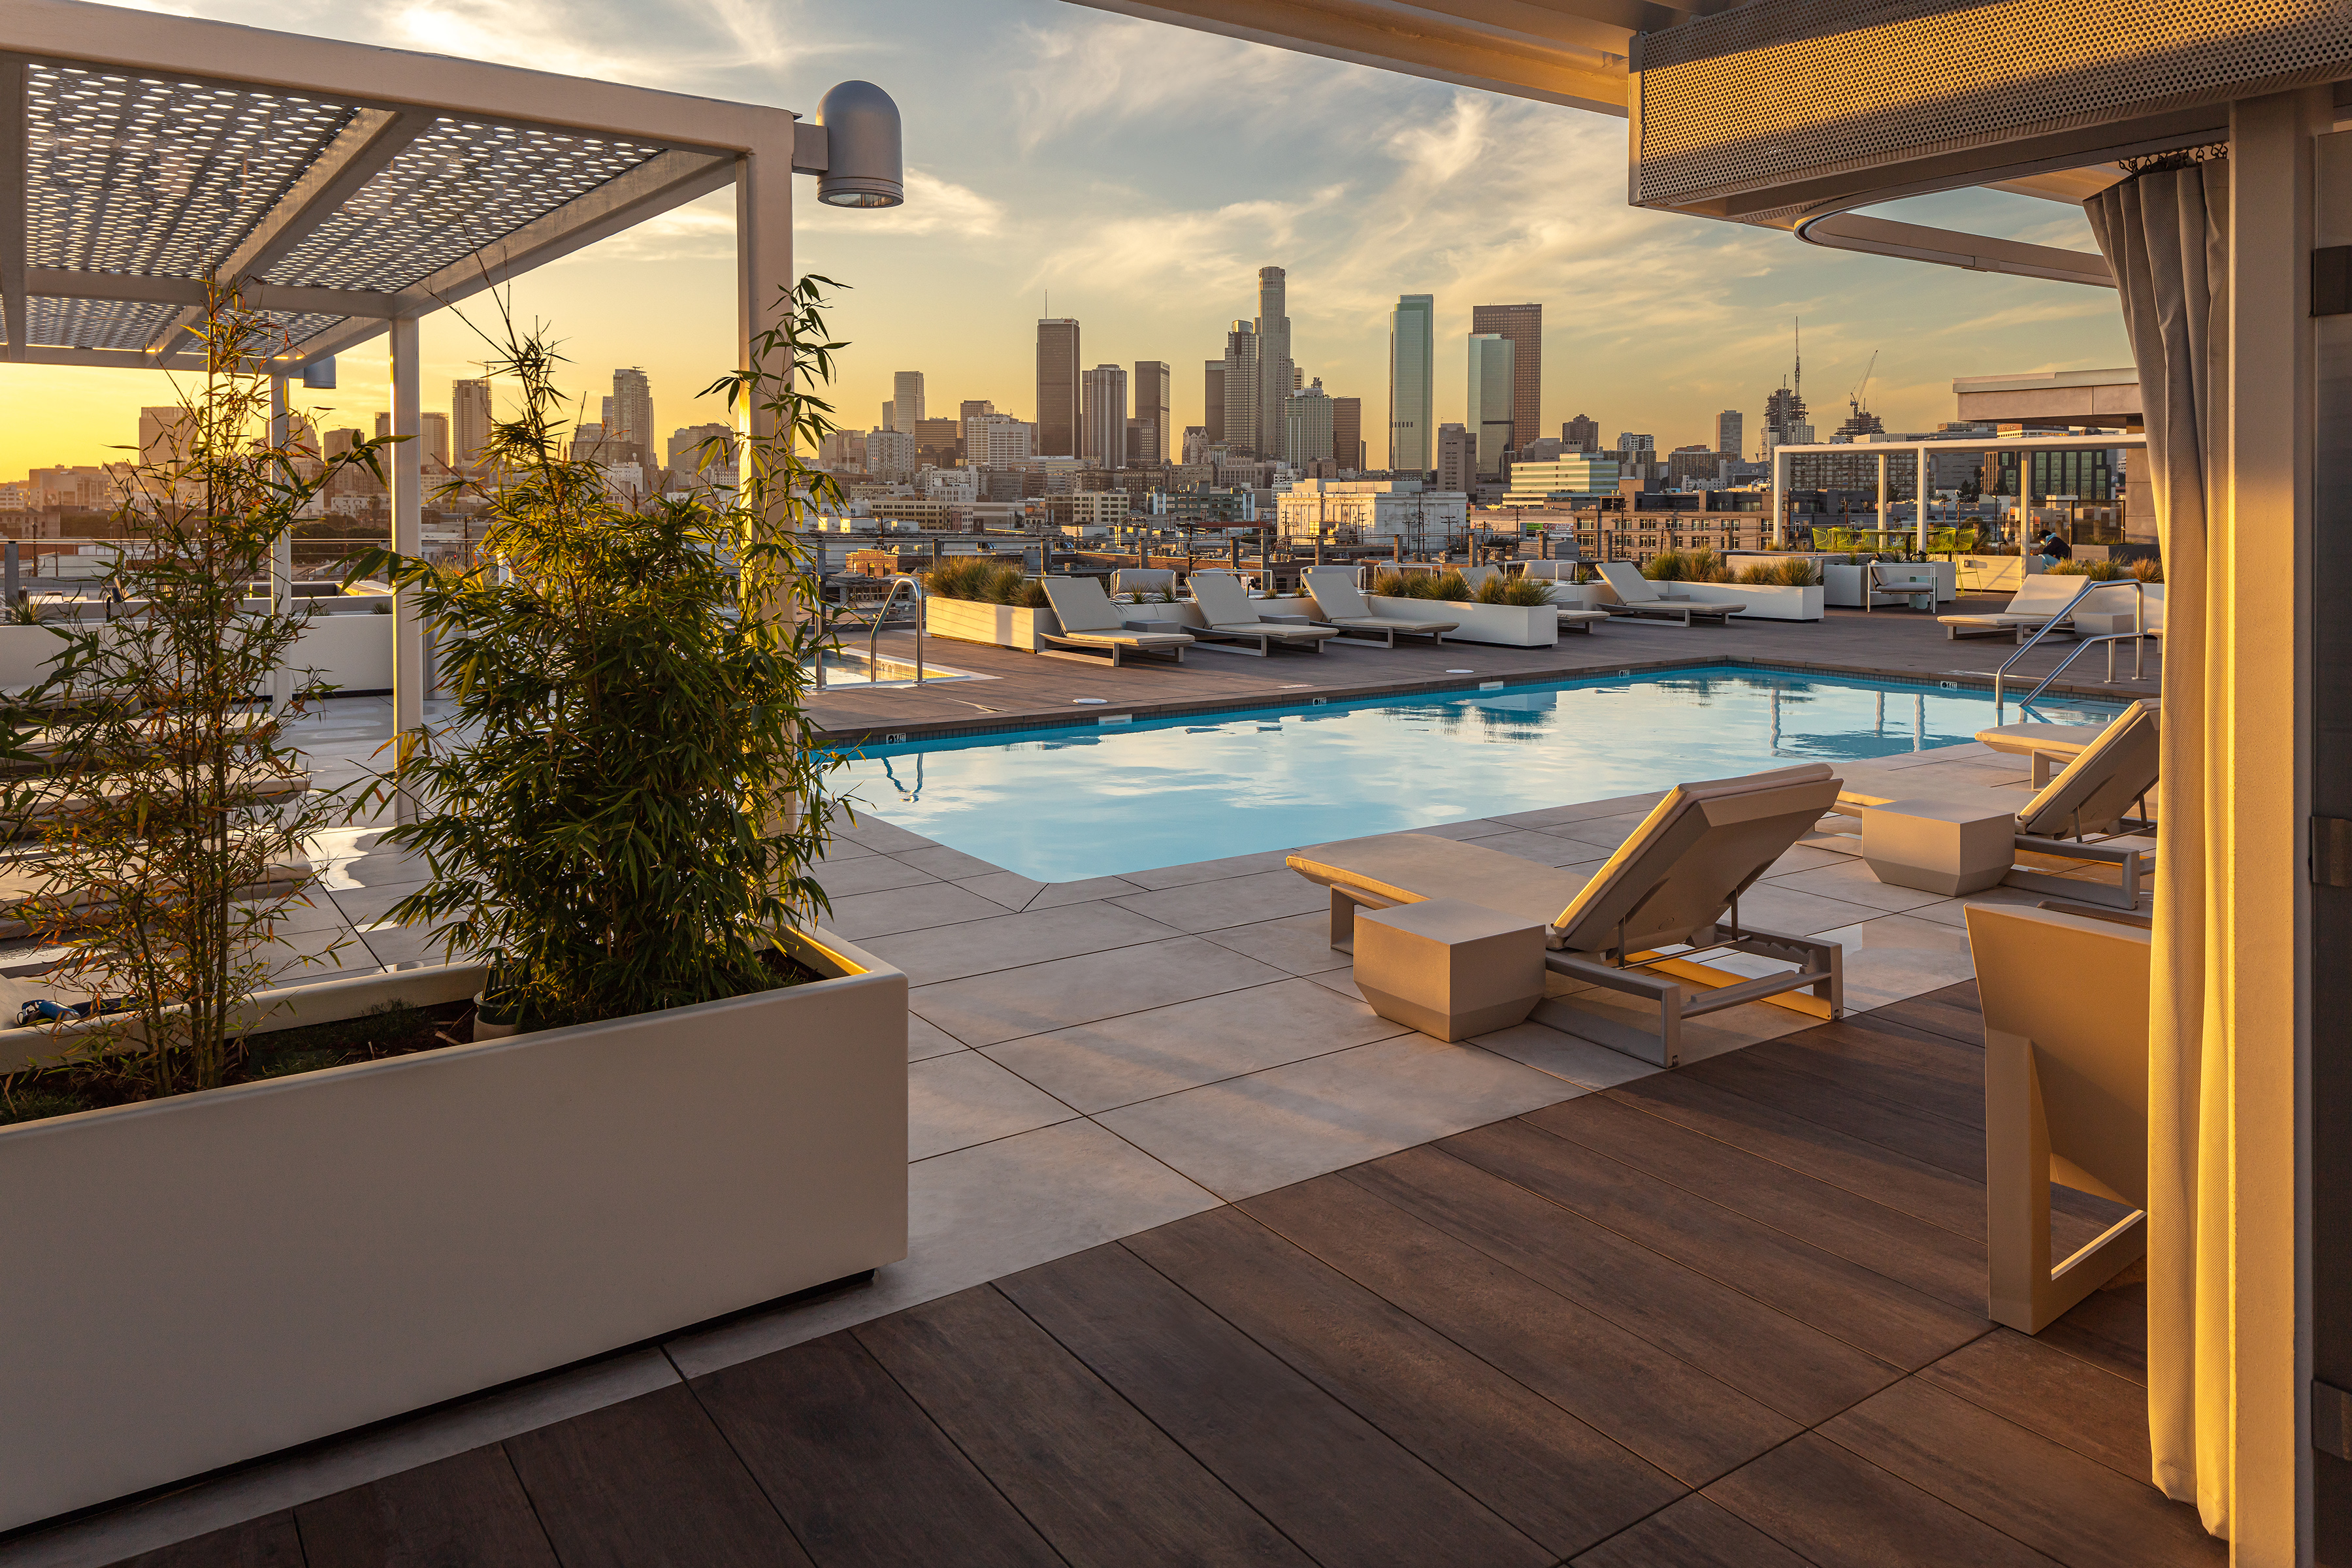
x: 1064, y: 803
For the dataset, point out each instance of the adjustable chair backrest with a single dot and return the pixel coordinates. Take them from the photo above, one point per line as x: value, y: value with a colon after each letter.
x: 1081, y: 605
x: 1223, y: 601
x: 1893, y: 577
x: 1699, y: 849
x: 2078, y: 989
x: 2044, y: 595
x: 1626, y: 578
x: 1334, y: 591
x: 1474, y: 575
x: 1553, y: 570
x: 2106, y: 780
x: 1142, y: 580
x: 2118, y: 598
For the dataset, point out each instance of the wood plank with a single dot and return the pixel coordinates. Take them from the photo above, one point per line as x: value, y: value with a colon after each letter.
x: 1837, y: 1510
x: 2063, y: 1397
x: 1800, y: 1372
x: 648, y: 1483
x: 1103, y: 1485
x: 1867, y: 1309
x: 467, y: 1509
x: 1343, y: 1491
x: 1804, y: 1086
x: 1839, y: 1220
x: 2108, y: 1328
x: 1897, y: 1066
x: 269, y: 1542
x: 1554, y: 1478
x: 2075, y: 1509
x: 1953, y: 1011
x: 1694, y: 1426
x: 1693, y: 1533
x: 859, y: 1472
x: 1928, y: 1191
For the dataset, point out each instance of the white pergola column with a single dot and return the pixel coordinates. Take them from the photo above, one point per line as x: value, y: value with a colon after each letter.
x: 763, y: 271
x: 406, y: 471
x: 281, y: 553
x: 1884, y: 502
x: 1920, y: 499
x: 1780, y: 536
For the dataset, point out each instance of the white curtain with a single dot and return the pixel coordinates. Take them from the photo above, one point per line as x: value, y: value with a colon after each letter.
x: 2166, y: 233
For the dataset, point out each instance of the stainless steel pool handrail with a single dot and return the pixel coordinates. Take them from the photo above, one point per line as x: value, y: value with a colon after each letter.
x: 883, y: 614
x: 2078, y: 651
x: 2139, y: 629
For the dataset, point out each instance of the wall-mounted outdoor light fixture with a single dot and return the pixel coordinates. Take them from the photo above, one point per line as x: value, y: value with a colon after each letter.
x: 863, y: 167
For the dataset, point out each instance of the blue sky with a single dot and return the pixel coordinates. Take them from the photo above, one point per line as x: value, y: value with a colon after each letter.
x: 1141, y: 175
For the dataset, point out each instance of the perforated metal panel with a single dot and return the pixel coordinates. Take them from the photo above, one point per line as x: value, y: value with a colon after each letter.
x: 458, y: 188
x: 142, y: 175
x: 94, y: 323
x: 1776, y: 90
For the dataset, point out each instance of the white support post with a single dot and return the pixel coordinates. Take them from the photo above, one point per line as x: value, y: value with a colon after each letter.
x: 763, y: 271
x: 408, y: 540
x: 1780, y: 534
x: 1884, y: 502
x: 281, y: 554
x: 1919, y: 499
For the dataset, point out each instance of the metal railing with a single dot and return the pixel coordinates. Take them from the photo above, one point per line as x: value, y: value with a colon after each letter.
x: 881, y: 614
x: 2139, y: 630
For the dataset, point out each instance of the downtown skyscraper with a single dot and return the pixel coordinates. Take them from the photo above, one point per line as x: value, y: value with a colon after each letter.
x: 1274, y: 373
x: 1412, y: 390
x: 1523, y: 325
x: 1060, y: 395
x: 1153, y: 413
x: 1489, y: 424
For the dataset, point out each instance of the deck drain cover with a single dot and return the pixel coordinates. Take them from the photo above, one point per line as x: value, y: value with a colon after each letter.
x: 1092, y: 702
x: 1461, y: 672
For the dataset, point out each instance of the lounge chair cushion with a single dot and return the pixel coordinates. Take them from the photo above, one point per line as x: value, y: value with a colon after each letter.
x: 1225, y: 605
x: 1341, y: 603
x: 2108, y: 778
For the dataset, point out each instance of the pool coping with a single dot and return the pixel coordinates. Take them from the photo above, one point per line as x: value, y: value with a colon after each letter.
x: 951, y: 729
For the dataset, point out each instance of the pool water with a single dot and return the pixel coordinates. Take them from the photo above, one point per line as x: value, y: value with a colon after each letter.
x: 1065, y: 803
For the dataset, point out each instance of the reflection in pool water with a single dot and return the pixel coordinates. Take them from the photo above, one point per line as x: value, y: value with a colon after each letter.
x: 1066, y: 804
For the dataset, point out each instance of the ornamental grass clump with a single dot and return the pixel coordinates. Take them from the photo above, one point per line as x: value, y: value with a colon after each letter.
x: 2148, y: 569
x: 986, y: 581
x: 1790, y: 571
x: 623, y: 811
x: 1521, y: 591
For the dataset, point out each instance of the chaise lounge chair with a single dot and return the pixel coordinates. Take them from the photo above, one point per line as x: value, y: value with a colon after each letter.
x: 1225, y: 605
x: 40, y: 895
x: 1637, y: 596
x: 1089, y: 620
x: 2044, y: 599
x: 1342, y: 604
x: 1671, y: 882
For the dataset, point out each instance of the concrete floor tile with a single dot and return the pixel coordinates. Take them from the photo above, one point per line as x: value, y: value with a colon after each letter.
x: 1053, y: 895
x: 368, y: 906
x: 1804, y: 857
x: 1477, y: 827
x: 1608, y: 832
x: 884, y: 837
x: 986, y: 1009
x: 1954, y: 912
x: 1010, y: 888
x: 1896, y: 957
x: 1142, y: 1056
x: 1298, y: 944
x: 1208, y: 871
x: 1229, y: 901
x: 1580, y: 1061
x: 1009, y: 941
x: 1791, y: 912
x: 915, y: 909
x: 1554, y: 816
x: 1855, y: 883
x: 926, y: 1039
x: 957, y: 1101
x: 869, y: 874
x: 1543, y: 848
x: 972, y: 1216
x: 395, y: 946
x: 948, y: 864
x: 1340, y: 982
x: 1248, y: 1135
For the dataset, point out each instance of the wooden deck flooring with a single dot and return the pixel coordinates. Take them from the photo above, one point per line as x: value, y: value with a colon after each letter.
x: 1031, y: 687
x: 1727, y: 1315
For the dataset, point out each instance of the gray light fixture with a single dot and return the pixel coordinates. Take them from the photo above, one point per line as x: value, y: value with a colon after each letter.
x: 319, y: 375
x: 863, y: 164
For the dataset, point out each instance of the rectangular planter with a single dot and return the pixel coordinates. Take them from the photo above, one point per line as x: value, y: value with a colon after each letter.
x: 197, y: 1281
x: 1505, y: 625
x: 1764, y: 603
x: 968, y: 620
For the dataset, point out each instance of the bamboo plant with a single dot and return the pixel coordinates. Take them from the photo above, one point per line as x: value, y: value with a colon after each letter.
x: 175, y: 814
x: 622, y: 813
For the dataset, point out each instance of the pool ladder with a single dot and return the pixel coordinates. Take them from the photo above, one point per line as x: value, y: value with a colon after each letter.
x: 2137, y: 636
x: 873, y: 635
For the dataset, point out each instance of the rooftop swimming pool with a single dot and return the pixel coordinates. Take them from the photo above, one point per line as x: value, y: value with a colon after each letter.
x: 1064, y: 803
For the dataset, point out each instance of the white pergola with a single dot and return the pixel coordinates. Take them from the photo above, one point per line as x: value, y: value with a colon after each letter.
x: 1924, y: 450
x: 347, y: 191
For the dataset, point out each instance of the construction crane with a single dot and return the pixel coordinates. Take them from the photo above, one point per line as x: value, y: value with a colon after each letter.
x: 1860, y: 420
x: 1861, y: 394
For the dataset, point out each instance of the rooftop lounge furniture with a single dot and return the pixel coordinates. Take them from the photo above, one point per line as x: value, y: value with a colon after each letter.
x: 1226, y: 607
x: 1895, y: 582
x: 2043, y: 599
x: 1674, y: 882
x: 1342, y: 604
x: 2066, y: 1065
x: 44, y: 886
x: 2052, y: 746
x: 1637, y: 596
x: 1142, y: 580
x: 1090, y: 621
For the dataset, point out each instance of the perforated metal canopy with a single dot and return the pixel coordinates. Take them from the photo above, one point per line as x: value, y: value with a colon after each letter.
x: 340, y: 186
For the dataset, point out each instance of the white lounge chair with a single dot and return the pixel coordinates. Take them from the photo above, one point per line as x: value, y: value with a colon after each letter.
x: 2065, y: 1032
x: 1232, y: 616
x: 1673, y: 882
x: 1892, y: 582
x: 1637, y: 596
x: 2052, y: 746
x: 1089, y: 620
x: 2044, y: 599
x: 1342, y: 604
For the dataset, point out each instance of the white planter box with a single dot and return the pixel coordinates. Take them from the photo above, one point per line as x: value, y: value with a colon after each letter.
x: 1765, y: 603
x: 968, y: 620
x: 1844, y: 583
x: 1580, y: 595
x: 353, y: 651
x: 1505, y: 626
x: 197, y: 1281
x: 25, y: 652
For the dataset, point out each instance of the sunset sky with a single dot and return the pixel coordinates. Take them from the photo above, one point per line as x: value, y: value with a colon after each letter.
x: 1140, y: 175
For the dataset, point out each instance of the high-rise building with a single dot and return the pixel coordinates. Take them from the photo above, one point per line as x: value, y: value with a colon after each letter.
x: 1730, y: 433
x: 1490, y: 421
x: 1306, y: 425
x: 433, y: 436
x: 995, y: 440
x: 1634, y: 441
x: 1196, y: 444
x: 907, y: 399
x: 890, y: 454
x: 1412, y: 391
x: 889, y: 414
x: 1152, y: 397
x: 1457, y: 458
x: 1784, y: 415
x: 1242, y: 352
x: 629, y: 417
x: 1582, y: 434
x: 973, y: 408
x: 1347, y: 432
x: 1275, y: 373
x: 1212, y: 401
x: 1523, y: 325
x: 1105, y: 413
x: 1058, y: 393
x: 469, y: 423
x: 161, y: 436
x: 939, y: 442
x: 690, y: 452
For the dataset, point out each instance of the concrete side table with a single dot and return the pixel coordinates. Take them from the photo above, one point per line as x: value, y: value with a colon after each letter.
x: 1449, y: 968
x: 1939, y: 847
